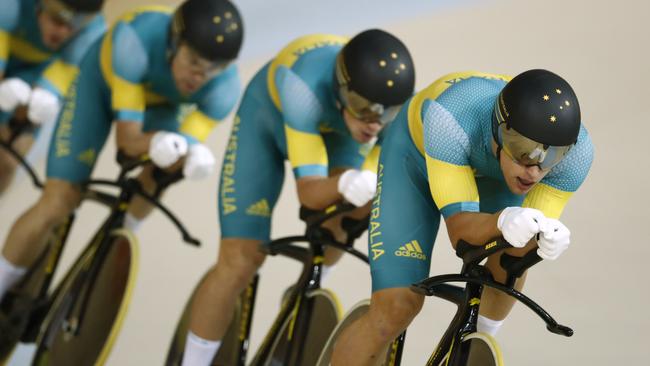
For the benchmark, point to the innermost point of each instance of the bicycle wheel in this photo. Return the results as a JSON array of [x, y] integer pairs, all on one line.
[[230, 351], [476, 349], [325, 315], [90, 342], [356, 312]]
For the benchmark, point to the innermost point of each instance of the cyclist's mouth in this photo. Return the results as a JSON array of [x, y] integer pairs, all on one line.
[[524, 184], [190, 87]]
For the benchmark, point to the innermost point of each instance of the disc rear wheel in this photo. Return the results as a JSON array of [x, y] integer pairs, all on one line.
[[305, 351], [65, 341], [476, 349], [230, 351]]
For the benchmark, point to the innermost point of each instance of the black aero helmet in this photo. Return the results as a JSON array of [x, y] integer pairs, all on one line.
[[76, 13], [84, 6], [374, 71], [213, 28], [536, 118]]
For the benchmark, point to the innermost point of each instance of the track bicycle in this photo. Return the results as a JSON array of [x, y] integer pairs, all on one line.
[[461, 344], [78, 322], [308, 313]]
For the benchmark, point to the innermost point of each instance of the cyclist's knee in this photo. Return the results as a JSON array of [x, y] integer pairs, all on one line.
[[57, 201], [392, 310], [239, 259]]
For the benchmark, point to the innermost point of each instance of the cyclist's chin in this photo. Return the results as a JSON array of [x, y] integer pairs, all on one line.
[[53, 43], [186, 87]]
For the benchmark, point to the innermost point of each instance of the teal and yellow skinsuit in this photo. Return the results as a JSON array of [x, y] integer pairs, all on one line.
[[437, 159], [127, 76], [23, 54], [289, 112]]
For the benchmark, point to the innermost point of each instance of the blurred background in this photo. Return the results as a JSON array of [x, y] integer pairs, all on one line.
[[599, 287]]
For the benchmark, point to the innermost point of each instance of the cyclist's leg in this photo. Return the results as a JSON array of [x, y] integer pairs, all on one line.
[[81, 131], [403, 225], [495, 305], [251, 179]]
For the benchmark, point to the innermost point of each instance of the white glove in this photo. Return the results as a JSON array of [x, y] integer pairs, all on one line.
[[166, 148], [14, 92], [358, 186], [43, 106], [553, 240], [199, 163], [518, 225]]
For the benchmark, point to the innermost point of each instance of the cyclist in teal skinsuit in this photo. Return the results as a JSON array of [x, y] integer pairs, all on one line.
[[495, 157], [164, 79], [320, 103], [42, 43]]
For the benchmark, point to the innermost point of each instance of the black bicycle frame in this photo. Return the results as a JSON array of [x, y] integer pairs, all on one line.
[[468, 299], [298, 308], [79, 292]]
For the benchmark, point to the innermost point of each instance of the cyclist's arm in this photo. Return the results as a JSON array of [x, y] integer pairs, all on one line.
[[58, 76], [129, 64], [302, 112], [130, 138], [8, 21], [220, 99], [451, 178]]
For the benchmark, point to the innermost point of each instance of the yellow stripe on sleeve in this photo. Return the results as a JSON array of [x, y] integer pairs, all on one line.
[[305, 148], [127, 95], [61, 75], [198, 125], [551, 201], [4, 45], [372, 160], [451, 183]]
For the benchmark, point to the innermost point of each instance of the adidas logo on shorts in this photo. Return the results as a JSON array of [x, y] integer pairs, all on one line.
[[411, 250], [259, 208]]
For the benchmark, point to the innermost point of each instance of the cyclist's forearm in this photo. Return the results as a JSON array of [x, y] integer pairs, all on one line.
[[318, 192], [472, 227], [130, 138]]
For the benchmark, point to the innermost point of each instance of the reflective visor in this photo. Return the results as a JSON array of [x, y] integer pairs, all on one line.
[[525, 151], [362, 109], [197, 63], [62, 13]]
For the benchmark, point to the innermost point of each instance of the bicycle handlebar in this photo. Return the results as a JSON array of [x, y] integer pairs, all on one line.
[[135, 188], [513, 265], [313, 235], [314, 218], [428, 287], [17, 128]]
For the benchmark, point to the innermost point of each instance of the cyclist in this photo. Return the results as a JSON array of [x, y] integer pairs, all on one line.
[[517, 144], [320, 103], [141, 78], [42, 43]]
